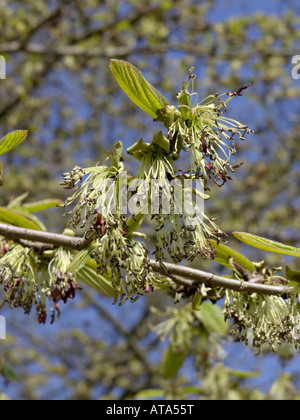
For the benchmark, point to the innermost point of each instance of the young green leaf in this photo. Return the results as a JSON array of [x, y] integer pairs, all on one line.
[[293, 276], [14, 218], [193, 390], [24, 212], [11, 140], [136, 87], [139, 149], [224, 253], [42, 205], [172, 362], [116, 155], [134, 223], [99, 282], [79, 261], [160, 140], [149, 394], [244, 374], [18, 201], [197, 301], [267, 244], [212, 318], [9, 373]]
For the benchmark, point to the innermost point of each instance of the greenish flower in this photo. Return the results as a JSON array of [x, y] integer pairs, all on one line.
[[19, 280], [116, 252], [202, 130], [26, 285], [179, 233], [125, 260], [261, 320], [61, 284], [90, 193]]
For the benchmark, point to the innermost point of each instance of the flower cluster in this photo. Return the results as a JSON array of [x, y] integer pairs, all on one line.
[[183, 241], [89, 193], [183, 232], [18, 279], [25, 287], [125, 259], [202, 130], [115, 250], [261, 320], [62, 283]]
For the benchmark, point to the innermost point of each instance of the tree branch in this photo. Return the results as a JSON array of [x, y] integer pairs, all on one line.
[[190, 277], [16, 233], [182, 275]]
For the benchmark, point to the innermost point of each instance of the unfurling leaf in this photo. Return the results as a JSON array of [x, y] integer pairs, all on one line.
[[99, 282], [11, 140], [212, 318], [149, 394], [172, 362], [293, 276], [267, 244], [224, 253], [116, 155], [42, 205], [136, 87], [14, 218]]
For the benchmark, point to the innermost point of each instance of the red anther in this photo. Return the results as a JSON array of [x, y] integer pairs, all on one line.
[[204, 145], [43, 318]]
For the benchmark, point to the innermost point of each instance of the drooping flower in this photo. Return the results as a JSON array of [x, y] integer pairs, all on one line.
[[97, 207], [202, 130], [62, 283], [27, 286], [92, 185], [18, 279], [259, 320]]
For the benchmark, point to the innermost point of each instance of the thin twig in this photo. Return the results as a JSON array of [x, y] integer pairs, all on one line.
[[188, 277]]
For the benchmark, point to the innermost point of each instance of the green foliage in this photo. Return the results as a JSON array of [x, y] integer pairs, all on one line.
[[171, 363], [42, 205], [12, 217], [213, 318], [293, 276], [137, 88], [12, 140], [224, 253], [102, 283], [267, 244]]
